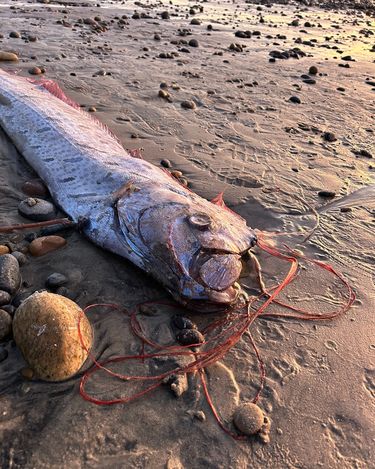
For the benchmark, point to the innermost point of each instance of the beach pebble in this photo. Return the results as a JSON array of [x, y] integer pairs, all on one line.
[[56, 280], [20, 256], [3, 354], [189, 337], [313, 70], [15, 34], [8, 57], [5, 324], [27, 373], [188, 105], [37, 209], [248, 418], [327, 194], [34, 188], [35, 71], [4, 297], [182, 322], [10, 277], [3, 249], [295, 99], [166, 163], [91, 109], [193, 43], [45, 330], [45, 244], [165, 15], [329, 137]]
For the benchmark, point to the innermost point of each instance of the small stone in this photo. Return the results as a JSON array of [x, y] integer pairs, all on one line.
[[190, 337], [20, 256], [188, 104], [3, 354], [4, 298], [309, 81], [56, 280], [45, 330], [182, 322], [177, 174], [10, 277], [45, 244], [3, 249], [91, 109], [35, 71], [164, 94], [248, 418], [365, 153], [27, 373], [166, 163], [295, 99], [37, 209], [195, 22], [165, 15], [8, 57], [327, 194], [193, 43], [329, 137], [313, 70], [34, 188], [9, 309], [15, 34], [5, 324], [157, 37]]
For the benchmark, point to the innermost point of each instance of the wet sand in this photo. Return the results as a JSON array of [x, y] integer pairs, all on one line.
[[268, 154]]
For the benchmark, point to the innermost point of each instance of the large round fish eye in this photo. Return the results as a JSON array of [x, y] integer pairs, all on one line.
[[201, 221]]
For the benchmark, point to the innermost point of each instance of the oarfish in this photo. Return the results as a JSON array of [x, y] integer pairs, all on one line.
[[136, 210]]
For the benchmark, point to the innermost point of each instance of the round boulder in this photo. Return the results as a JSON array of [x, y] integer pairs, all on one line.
[[45, 328], [10, 276]]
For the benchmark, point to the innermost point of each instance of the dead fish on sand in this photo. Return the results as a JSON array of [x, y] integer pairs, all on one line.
[[191, 246]]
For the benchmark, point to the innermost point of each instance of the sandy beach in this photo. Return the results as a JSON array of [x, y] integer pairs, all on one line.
[[270, 134]]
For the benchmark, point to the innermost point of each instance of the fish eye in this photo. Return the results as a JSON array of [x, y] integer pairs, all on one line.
[[202, 221]]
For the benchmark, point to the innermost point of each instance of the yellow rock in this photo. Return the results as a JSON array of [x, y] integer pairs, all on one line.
[[3, 249], [46, 331], [8, 57], [45, 244]]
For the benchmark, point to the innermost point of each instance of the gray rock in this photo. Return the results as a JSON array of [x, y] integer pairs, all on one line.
[[5, 324], [20, 256], [4, 298], [56, 280], [37, 209], [10, 276], [3, 354]]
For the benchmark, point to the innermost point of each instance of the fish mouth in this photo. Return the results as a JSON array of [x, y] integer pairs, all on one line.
[[211, 283]]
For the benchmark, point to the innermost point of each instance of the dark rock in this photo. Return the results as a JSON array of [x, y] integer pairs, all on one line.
[[165, 15], [327, 194], [37, 209], [190, 337], [313, 70], [56, 280], [295, 99], [196, 22], [9, 309], [193, 43], [4, 298], [166, 163], [3, 354], [20, 256], [5, 324], [182, 322], [15, 34], [10, 277], [34, 188], [329, 137], [21, 296]]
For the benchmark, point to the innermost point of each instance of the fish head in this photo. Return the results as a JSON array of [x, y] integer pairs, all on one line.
[[195, 248]]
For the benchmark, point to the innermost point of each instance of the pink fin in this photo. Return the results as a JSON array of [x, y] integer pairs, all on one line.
[[53, 88], [219, 201], [136, 153]]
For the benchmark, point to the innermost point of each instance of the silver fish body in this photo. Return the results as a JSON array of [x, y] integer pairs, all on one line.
[[134, 209]]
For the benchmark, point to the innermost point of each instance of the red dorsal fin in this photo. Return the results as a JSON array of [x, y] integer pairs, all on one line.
[[219, 201], [53, 88]]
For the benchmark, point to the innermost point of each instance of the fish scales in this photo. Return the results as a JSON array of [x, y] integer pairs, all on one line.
[[132, 208]]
